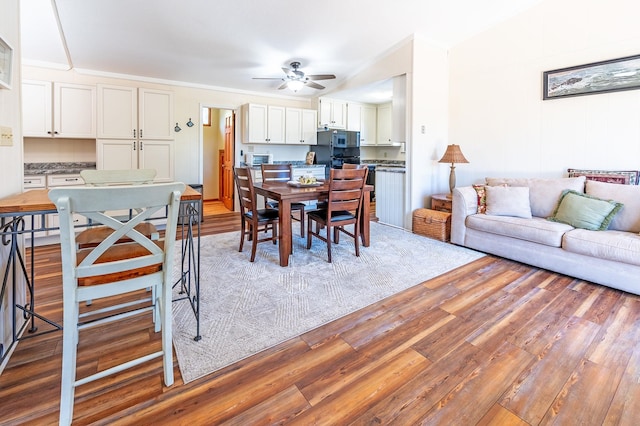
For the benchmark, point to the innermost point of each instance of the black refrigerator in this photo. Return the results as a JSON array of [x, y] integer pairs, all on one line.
[[336, 147]]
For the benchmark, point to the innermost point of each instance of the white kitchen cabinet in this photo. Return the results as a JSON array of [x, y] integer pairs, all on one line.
[[362, 118], [300, 126], [384, 124], [122, 154], [135, 130], [35, 221], [56, 181], [354, 117], [264, 123], [332, 113], [61, 110], [390, 189], [134, 113]]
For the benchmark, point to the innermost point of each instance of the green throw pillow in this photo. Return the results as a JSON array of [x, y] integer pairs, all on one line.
[[584, 211]]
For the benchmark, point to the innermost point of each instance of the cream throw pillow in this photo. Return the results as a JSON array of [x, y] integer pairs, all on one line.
[[508, 201]]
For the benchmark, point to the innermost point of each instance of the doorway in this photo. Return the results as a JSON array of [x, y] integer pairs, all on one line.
[[218, 126]]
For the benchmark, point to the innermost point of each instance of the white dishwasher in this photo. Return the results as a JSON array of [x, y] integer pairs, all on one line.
[[390, 195]]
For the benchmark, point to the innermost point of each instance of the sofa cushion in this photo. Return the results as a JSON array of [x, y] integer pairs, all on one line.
[[628, 219], [508, 201], [585, 211], [544, 194], [536, 230], [617, 246]]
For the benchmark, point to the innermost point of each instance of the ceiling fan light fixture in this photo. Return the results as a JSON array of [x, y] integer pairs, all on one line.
[[295, 85]]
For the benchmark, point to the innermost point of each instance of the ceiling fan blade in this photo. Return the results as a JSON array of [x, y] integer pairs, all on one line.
[[321, 77], [283, 85], [314, 85], [287, 71]]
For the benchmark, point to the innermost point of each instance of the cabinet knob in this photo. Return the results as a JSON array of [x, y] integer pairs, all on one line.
[[134, 145], [140, 132], [140, 145], [134, 133]]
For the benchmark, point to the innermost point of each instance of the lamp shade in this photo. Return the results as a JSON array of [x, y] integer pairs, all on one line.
[[453, 155]]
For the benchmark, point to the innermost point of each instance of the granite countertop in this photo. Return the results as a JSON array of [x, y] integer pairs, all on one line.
[[393, 166], [31, 169]]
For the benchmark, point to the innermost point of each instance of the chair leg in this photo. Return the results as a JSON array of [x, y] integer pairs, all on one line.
[[242, 231], [167, 344], [302, 222], [69, 356], [329, 243], [309, 231], [254, 243]]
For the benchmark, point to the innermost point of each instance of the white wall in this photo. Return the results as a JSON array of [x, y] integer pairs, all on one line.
[[10, 156], [497, 114]]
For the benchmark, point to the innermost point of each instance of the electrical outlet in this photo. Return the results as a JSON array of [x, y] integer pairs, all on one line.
[[6, 136], [423, 129]]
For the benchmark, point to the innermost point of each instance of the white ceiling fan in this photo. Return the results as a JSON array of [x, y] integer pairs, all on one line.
[[296, 79]]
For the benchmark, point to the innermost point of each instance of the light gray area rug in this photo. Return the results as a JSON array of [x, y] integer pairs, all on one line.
[[248, 307]]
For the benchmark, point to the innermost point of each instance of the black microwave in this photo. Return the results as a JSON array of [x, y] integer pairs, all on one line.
[[345, 139]]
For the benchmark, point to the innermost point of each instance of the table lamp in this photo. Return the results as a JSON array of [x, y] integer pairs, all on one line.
[[453, 155]]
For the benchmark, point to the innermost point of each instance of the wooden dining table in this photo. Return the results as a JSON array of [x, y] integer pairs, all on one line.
[[286, 194]]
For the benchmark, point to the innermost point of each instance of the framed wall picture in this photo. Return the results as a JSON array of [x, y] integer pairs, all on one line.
[[6, 62], [598, 77]]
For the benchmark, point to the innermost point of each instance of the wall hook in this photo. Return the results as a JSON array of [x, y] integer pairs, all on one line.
[[177, 128], [190, 123]]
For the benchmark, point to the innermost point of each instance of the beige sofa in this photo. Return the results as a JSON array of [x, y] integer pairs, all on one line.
[[610, 257]]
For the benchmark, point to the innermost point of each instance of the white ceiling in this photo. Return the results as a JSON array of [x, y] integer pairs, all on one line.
[[223, 44]]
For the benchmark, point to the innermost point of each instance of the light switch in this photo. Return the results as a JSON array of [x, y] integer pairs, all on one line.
[[6, 136]]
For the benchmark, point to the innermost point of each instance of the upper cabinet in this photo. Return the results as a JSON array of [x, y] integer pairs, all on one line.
[[333, 113], [300, 126], [134, 113], [61, 110], [362, 118], [264, 123], [135, 130], [384, 124]]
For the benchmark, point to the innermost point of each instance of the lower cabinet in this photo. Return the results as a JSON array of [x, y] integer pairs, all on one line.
[[119, 154], [390, 190]]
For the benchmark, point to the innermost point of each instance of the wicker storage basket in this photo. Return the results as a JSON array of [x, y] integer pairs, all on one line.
[[432, 224]]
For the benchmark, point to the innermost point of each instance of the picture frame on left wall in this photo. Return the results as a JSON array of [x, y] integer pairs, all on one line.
[[6, 62]]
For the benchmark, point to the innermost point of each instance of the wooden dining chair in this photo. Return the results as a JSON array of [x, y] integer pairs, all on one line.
[[253, 220], [112, 268], [344, 207], [283, 173]]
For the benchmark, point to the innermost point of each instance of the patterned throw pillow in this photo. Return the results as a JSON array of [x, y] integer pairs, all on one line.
[[624, 177], [481, 194]]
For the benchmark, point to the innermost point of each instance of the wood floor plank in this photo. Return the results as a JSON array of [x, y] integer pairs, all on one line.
[[364, 392], [499, 416], [278, 409], [410, 402], [470, 400], [579, 401], [527, 398]]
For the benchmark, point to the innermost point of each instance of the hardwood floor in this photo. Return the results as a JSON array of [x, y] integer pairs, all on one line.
[[491, 343]]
